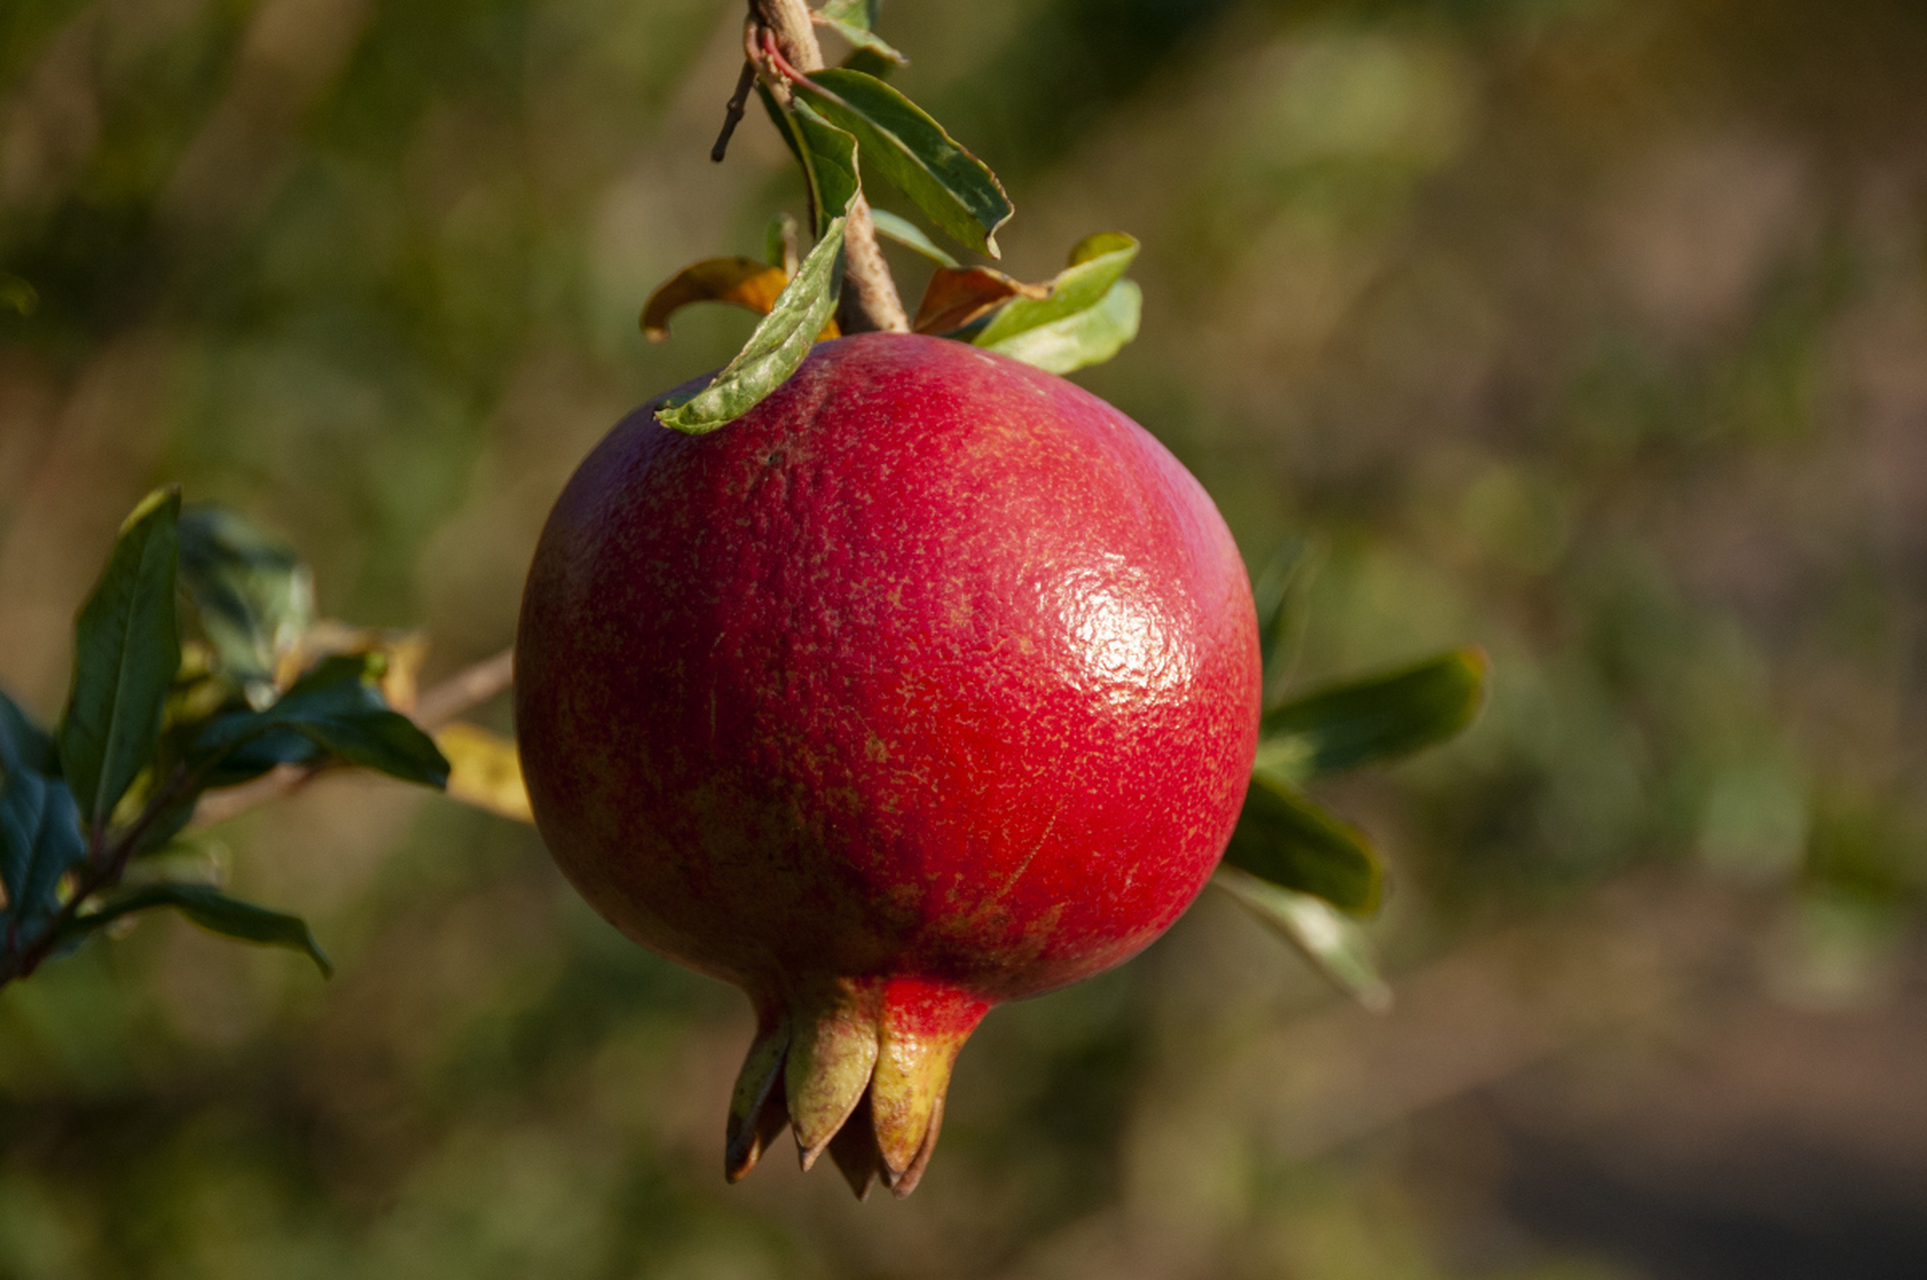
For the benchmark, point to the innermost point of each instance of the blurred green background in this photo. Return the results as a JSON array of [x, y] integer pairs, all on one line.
[[1591, 331]]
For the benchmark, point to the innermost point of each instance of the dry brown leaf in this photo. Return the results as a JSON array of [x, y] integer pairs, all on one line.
[[956, 297], [484, 771]]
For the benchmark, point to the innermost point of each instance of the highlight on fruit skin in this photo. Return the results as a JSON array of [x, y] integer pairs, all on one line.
[[931, 682]]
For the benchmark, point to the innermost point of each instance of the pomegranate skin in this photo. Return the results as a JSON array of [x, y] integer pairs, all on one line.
[[933, 674]]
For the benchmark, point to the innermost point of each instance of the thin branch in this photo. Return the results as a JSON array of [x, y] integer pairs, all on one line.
[[733, 112], [870, 299]]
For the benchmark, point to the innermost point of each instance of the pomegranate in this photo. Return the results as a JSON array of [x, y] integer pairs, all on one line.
[[930, 683]]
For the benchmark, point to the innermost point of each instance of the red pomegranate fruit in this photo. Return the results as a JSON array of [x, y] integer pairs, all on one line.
[[930, 683]]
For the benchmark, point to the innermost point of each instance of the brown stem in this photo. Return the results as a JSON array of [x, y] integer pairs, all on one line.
[[733, 112], [870, 300]]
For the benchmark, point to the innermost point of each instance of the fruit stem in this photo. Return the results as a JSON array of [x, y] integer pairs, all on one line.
[[870, 300]]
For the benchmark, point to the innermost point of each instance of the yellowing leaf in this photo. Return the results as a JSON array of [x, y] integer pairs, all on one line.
[[484, 771], [956, 297], [741, 282]]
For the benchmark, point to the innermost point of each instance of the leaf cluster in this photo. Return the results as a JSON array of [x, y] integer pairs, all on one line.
[[839, 124], [197, 665], [1301, 868]]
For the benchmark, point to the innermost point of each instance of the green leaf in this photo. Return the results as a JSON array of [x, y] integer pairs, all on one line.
[[339, 708], [213, 911], [1279, 594], [1086, 338], [832, 164], [855, 21], [779, 242], [1382, 718], [910, 236], [1097, 264], [1284, 838], [254, 595], [898, 140], [774, 351], [1335, 946], [127, 647], [40, 841]]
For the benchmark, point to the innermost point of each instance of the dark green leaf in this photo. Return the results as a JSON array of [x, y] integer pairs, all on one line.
[[40, 841], [1335, 945], [1086, 338], [1284, 838], [855, 21], [1279, 594], [254, 595], [774, 351], [910, 236], [213, 911], [1382, 718], [897, 140], [872, 63], [339, 708], [127, 648], [832, 164], [24, 744], [1097, 264]]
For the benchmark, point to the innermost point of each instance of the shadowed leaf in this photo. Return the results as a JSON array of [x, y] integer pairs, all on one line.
[[337, 707], [1279, 595], [40, 840], [1284, 838], [910, 236], [127, 648], [898, 140], [832, 152], [1335, 945], [774, 351], [254, 596], [1379, 719], [212, 910]]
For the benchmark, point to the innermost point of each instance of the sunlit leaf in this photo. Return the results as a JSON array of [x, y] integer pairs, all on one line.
[[338, 707], [1284, 838], [855, 21], [740, 282], [212, 910], [1097, 264], [775, 351], [1085, 338], [254, 595], [911, 151], [1335, 946], [910, 236], [127, 648], [1384, 717], [957, 297], [484, 771]]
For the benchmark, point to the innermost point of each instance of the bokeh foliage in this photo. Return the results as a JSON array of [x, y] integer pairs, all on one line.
[[1589, 331]]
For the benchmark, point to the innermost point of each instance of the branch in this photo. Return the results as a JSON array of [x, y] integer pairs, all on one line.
[[870, 300], [467, 688]]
